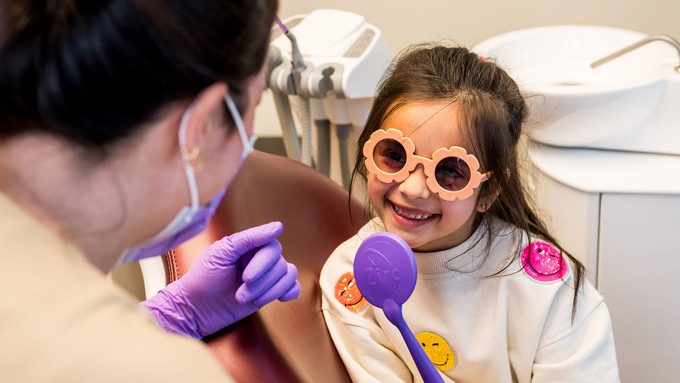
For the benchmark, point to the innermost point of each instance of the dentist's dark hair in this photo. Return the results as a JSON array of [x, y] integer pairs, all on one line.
[[95, 72], [491, 111]]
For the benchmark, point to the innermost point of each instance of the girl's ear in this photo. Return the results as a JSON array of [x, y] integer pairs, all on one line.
[[484, 202], [490, 194]]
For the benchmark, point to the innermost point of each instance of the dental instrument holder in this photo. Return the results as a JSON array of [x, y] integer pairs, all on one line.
[[293, 84], [340, 59], [385, 272]]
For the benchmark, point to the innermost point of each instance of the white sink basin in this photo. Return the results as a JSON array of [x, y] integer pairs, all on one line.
[[571, 103]]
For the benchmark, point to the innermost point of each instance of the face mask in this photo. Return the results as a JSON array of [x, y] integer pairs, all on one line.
[[190, 220]]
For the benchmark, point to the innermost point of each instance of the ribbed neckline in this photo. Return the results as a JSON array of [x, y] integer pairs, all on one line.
[[466, 257]]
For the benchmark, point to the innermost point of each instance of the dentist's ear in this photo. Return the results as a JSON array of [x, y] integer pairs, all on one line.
[[204, 121]]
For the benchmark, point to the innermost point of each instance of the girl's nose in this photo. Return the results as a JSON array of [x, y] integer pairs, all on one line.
[[415, 185]]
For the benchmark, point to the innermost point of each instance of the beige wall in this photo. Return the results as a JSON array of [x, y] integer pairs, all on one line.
[[469, 22]]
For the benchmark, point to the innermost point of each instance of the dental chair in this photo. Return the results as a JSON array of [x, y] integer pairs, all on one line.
[[282, 342]]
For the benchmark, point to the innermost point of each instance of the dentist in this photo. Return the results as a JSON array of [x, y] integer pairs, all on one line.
[[122, 124]]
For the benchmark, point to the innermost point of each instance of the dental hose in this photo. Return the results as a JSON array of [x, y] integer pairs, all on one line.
[[342, 132], [306, 121], [323, 146], [290, 138]]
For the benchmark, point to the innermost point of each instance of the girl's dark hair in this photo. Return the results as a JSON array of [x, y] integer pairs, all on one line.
[[94, 72], [492, 111]]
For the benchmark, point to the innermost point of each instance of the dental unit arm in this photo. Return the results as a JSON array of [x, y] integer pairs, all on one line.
[[327, 63]]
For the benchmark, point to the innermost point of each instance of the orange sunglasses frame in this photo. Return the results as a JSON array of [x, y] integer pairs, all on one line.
[[429, 164]]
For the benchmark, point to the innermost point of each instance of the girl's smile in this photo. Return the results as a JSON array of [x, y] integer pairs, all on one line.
[[409, 214]]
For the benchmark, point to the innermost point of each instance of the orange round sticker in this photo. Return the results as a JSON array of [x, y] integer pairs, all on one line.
[[347, 293]]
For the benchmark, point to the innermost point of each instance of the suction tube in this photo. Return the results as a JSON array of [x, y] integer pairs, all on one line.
[[306, 122], [323, 146], [288, 132], [342, 132]]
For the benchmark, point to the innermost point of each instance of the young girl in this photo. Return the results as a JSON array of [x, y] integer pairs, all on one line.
[[496, 299]]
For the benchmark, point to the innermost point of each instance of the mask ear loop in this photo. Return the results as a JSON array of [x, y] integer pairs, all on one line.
[[247, 143], [189, 156]]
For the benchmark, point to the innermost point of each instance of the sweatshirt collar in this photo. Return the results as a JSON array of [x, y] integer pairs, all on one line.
[[467, 257]]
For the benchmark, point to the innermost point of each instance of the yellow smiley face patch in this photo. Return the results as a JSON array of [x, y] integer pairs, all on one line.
[[436, 348]]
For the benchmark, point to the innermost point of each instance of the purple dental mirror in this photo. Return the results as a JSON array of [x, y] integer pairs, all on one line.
[[385, 272]]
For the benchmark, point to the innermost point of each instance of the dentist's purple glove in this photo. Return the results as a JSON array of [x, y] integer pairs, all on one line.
[[232, 279]]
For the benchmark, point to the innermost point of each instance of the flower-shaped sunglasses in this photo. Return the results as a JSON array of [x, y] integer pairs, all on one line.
[[451, 172]]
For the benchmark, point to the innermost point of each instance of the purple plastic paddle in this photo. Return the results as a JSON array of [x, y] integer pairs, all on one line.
[[385, 272]]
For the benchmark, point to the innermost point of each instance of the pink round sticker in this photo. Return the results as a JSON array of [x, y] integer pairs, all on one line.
[[543, 262]]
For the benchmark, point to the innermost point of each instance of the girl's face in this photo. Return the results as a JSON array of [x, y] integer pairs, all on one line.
[[409, 208]]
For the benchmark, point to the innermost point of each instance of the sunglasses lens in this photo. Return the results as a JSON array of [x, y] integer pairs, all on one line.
[[452, 174], [389, 156]]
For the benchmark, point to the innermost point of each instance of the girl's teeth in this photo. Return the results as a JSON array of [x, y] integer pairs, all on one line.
[[411, 216]]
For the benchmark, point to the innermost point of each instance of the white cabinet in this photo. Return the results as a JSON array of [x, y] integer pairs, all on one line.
[[572, 216], [621, 216]]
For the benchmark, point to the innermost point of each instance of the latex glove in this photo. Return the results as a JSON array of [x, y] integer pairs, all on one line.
[[232, 279]]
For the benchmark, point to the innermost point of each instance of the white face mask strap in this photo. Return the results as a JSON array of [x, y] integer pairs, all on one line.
[[247, 143], [191, 176]]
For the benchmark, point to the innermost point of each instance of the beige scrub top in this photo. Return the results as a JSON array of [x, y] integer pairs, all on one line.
[[61, 320]]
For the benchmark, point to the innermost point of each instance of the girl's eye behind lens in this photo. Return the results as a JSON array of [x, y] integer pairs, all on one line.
[[389, 156], [452, 174]]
